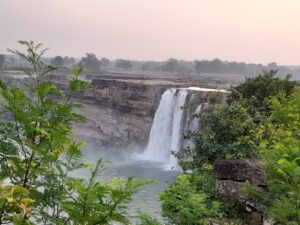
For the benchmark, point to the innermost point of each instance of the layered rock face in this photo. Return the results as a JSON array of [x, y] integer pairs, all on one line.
[[120, 109], [136, 98], [232, 178], [240, 171]]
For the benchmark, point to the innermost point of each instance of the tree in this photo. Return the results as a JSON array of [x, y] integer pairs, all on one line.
[[184, 204], [104, 62], [2, 61], [217, 66], [255, 92], [57, 61], [69, 61], [227, 129], [123, 64], [38, 152], [272, 66], [260, 119], [193, 199], [90, 62], [280, 152], [171, 65], [226, 135]]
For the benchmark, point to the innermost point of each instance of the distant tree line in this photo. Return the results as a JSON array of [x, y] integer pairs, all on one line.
[[215, 66], [2, 60], [93, 64]]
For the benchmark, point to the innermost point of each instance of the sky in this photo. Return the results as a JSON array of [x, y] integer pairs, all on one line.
[[254, 31]]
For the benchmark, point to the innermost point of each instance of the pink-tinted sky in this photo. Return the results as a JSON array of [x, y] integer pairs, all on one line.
[[258, 31]]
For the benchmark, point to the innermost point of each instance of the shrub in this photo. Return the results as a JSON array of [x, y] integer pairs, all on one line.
[[280, 150], [146, 219], [38, 152], [193, 199]]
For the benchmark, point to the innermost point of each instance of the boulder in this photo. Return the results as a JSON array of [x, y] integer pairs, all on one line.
[[232, 178], [240, 171]]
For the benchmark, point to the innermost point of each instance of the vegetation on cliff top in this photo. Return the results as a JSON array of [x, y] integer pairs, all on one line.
[[259, 120]]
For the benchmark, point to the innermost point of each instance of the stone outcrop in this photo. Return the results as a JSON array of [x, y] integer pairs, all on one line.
[[232, 178], [240, 171], [135, 98]]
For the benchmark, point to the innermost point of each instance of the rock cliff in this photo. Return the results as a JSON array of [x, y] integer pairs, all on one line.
[[119, 108]]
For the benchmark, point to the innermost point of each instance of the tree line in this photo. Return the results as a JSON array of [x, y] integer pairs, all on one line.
[[38, 153], [93, 64]]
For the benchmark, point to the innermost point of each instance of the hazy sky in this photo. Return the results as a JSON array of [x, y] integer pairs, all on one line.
[[259, 31]]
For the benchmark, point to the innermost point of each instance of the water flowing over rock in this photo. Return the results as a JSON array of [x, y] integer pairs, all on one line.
[[166, 132], [120, 108]]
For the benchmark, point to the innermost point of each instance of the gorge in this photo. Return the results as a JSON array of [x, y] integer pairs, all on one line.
[[135, 124], [120, 107]]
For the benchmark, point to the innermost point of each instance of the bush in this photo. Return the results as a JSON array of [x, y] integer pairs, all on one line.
[[193, 199], [146, 219], [225, 134], [280, 150], [228, 129], [255, 92], [38, 152]]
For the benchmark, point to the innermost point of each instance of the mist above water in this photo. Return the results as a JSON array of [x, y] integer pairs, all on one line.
[[157, 161], [123, 163]]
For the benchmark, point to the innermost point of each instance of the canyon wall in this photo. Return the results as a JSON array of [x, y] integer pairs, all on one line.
[[119, 108], [120, 112]]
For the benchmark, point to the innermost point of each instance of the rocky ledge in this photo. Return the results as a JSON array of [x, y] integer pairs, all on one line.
[[120, 108], [233, 176]]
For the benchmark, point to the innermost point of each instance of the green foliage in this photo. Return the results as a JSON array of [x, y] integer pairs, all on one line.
[[253, 123], [228, 129], [254, 93], [184, 204], [146, 219], [99, 203], [226, 134], [16, 199], [38, 154], [193, 199], [215, 98], [280, 150]]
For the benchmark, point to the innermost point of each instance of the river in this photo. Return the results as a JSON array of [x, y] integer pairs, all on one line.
[[125, 163]]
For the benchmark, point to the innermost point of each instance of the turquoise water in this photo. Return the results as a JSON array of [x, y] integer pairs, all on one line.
[[125, 163]]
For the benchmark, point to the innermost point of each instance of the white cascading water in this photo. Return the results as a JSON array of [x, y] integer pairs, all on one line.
[[166, 131], [194, 126]]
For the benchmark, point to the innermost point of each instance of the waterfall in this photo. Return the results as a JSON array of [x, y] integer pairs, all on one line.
[[193, 125], [166, 131]]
